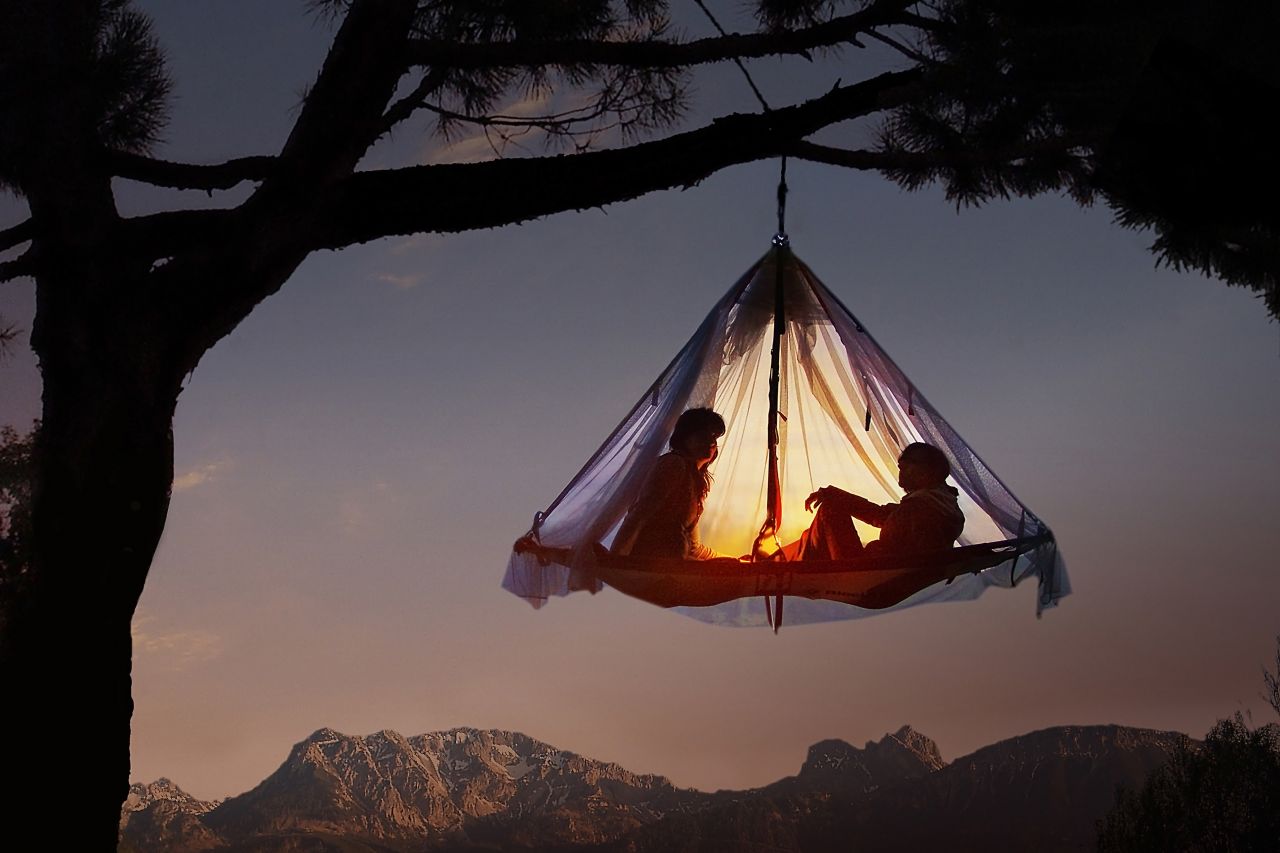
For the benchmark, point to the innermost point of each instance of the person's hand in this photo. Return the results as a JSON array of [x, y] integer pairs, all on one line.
[[829, 495], [818, 498], [529, 544]]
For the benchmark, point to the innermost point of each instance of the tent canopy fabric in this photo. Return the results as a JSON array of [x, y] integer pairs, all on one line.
[[844, 411]]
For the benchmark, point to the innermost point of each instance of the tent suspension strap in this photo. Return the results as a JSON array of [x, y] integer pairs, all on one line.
[[781, 237]]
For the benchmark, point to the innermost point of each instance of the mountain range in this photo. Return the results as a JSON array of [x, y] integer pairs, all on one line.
[[471, 789]]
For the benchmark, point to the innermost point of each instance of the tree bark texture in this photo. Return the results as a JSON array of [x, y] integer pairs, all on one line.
[[104, 458]]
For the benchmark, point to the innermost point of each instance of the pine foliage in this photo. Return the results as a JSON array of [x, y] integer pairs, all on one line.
[[16, 471], [1223, 796], [120, 83], [1161, 109]]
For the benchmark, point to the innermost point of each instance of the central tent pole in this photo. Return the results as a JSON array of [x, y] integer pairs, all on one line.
[[774, 501], [781, 254], [773, 520]]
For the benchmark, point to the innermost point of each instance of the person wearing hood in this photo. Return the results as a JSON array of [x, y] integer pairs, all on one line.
[[928, 518]]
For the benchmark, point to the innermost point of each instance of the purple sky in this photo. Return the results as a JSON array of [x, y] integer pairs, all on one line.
[[355, 460]]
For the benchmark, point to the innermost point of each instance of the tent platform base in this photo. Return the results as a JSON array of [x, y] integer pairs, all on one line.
[[872, 582]]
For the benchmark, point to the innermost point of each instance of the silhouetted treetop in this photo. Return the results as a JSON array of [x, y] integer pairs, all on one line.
[[1158, 108], [1223, 794], [1168, 103], [16, 472], [122, 83]]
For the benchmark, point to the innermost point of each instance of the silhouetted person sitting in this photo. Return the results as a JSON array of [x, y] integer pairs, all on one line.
[[928, 518], [663, 521]]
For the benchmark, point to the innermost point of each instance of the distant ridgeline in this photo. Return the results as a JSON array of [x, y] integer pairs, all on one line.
[[471, 789]]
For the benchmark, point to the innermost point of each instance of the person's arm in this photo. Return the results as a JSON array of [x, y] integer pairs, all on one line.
[[851, 504], [915, 525], [659, 489], [872, 513], [703, 552]]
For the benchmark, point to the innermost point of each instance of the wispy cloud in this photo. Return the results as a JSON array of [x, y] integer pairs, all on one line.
[[175, 650], [470, 149], [533, 105], [198, 476], [400, 282]]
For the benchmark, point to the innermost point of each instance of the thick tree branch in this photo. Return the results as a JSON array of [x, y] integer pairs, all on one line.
[[655, 53], [243, 257], [146, 239], [158, 236], [859, 159], [410, 103], [370, 205], [17, 268], [208, 290], [872, 160], [17, 235], [343, 113], [188, 176]]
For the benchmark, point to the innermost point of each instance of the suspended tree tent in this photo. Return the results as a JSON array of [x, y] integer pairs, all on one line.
[[809, 398]]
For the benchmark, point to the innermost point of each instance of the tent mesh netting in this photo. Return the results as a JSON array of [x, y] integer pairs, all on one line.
[[844, 413]]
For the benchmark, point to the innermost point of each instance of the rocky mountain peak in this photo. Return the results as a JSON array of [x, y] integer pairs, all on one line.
[[323, 735], [490, 789], [921, 746], [838, 766], [162, 816], [164, 790]]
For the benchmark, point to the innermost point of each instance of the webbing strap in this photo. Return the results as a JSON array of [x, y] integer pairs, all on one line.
[[782, 202]]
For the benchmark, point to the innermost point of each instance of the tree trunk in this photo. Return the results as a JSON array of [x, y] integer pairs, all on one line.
[[104, 461]]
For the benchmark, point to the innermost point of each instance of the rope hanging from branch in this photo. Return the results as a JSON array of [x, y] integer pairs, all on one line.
[[781, 238]]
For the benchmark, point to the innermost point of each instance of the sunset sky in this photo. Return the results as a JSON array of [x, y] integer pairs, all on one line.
[[355, 460]]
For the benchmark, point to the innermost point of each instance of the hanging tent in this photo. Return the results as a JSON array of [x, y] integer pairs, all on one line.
[[809, 398]]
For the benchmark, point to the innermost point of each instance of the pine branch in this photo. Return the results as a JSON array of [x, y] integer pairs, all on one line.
[[156, 237], [189, 176], [849, 159], [18, 267], [898, 159], [17, 235], [410, 103], [570, 123], [343, 113], [654, 53], [369, 205]]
